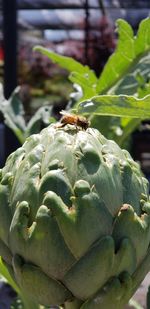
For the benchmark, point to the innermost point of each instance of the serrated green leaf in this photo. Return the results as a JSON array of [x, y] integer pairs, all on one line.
[[129, 51], [130, 83], [65, 62], [142, 40], [119, 106], [80, 74]]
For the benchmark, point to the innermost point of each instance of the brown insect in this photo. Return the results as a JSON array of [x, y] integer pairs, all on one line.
[[78, 121]]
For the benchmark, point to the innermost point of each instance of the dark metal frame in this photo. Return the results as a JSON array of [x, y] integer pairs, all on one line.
[[9, 8], [10, 45]]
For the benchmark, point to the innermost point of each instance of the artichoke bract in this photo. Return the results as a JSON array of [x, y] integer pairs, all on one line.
[[74, 219]]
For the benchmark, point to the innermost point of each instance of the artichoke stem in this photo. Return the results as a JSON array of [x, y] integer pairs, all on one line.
[[75, 304]]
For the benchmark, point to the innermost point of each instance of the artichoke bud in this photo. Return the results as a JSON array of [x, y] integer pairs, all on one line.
[[74, 218]]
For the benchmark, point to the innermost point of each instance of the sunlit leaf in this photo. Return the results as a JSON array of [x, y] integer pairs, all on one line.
[[67, 63], [129, 51], [120, 106]]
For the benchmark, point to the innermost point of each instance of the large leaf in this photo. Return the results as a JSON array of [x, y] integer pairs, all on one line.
[[80, 74], [129, 51], [131, 82], [120, 106], [119, 72], [65, 62]]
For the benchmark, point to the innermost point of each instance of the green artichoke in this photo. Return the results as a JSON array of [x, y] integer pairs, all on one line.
[[74, 219]]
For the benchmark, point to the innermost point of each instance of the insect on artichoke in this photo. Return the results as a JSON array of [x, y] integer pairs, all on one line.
[[74, 219]]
